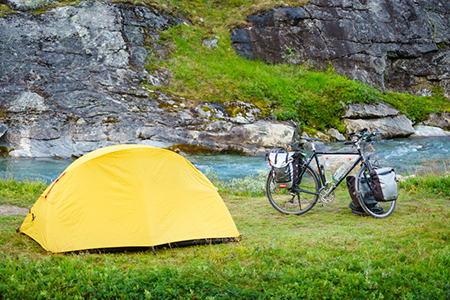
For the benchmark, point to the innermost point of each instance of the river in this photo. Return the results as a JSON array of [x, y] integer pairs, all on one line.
[[407, 156]]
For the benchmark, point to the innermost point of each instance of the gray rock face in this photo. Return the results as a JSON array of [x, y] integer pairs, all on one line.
[[398, 45], [365, 111], [3, 129], [379, 116], [390, 127], [70, 83], [441, 120]]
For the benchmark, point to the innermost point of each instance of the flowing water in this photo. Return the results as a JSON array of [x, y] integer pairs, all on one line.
[[407, 156]]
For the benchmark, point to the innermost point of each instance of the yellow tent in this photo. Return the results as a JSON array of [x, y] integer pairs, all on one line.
[[128, 196]]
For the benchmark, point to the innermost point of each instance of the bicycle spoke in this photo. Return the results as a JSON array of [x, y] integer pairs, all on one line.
[[299, 199]]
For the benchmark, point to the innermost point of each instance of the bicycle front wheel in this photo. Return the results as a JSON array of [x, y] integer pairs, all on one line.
[[366, 200], [296, 200]]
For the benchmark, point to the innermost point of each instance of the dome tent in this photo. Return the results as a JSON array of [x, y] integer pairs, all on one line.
[[128, 196]]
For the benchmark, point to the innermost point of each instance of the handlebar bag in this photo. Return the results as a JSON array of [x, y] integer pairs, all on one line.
[[284, 166], [384, 184]]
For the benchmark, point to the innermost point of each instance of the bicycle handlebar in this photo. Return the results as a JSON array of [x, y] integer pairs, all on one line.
[[363, 136]]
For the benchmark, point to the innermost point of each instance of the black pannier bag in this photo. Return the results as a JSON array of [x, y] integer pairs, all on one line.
[[384, 184], [284, 166], [364, 190]]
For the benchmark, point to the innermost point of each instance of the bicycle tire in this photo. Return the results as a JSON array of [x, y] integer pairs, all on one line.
[[388, 207], [290, 201]]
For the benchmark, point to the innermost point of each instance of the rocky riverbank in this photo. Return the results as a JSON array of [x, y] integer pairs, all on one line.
[[70, 82]]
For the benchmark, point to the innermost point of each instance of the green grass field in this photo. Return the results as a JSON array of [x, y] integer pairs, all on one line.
[[327, 253]]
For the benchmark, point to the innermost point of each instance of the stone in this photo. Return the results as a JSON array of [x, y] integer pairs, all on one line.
[[210, 43], [270, 134], [441, 120], [336, 135], [429, 131], [366, 111], [390, 127]]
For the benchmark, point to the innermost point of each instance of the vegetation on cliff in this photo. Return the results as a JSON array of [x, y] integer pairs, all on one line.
[[312, 98], [214, 72]]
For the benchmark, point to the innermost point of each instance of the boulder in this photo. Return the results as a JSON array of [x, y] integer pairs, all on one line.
[[366, 111], [335, 135], [441, 120], [251, 139], [390, 127], [429, 131]]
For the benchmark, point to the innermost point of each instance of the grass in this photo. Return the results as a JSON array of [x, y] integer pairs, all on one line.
[[287, 91], [327, 253], [21, 193]]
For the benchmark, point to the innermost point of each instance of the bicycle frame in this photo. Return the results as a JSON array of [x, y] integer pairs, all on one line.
[[315, 156]]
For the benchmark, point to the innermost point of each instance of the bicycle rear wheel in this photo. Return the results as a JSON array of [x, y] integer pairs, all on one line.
[[297, 200], [382, 209]]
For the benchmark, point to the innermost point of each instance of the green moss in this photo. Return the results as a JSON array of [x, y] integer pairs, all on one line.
[[199, 150], [4, 10], [4, 151], [54, 5], [190, 149]]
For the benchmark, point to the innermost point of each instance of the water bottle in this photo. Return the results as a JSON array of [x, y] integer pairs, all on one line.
[[341, 170], [327, 171]]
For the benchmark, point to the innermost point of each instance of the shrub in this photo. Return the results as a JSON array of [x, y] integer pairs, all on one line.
[[249, 186], [432, 183]]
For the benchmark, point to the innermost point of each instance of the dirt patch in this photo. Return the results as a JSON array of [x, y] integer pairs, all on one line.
[[8, 210]]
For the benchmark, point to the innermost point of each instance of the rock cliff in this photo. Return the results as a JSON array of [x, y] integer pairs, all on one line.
[[70, 77], [392, 45], [70, 83]]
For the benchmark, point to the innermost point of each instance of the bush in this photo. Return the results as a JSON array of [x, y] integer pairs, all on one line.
[[432, 183], [249, 186]]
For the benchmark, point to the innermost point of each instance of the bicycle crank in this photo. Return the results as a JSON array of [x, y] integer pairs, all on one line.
[[326, 195]]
